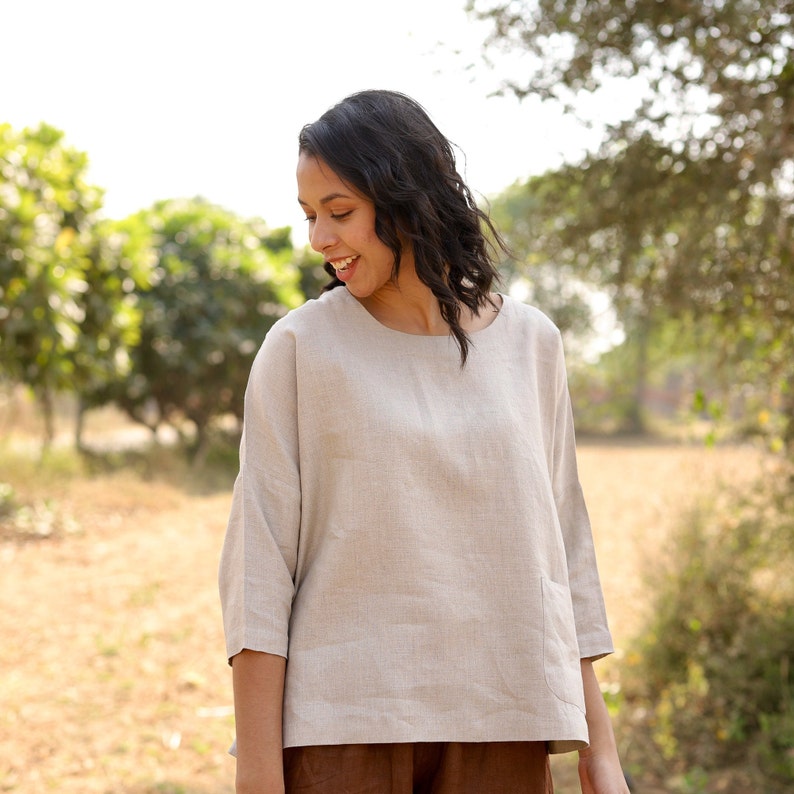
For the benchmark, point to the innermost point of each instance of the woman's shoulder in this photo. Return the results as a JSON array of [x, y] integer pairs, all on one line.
[[302, 328], [314, 314], [529, 318]]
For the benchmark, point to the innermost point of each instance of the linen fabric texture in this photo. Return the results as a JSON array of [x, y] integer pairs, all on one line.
[[411, 534]]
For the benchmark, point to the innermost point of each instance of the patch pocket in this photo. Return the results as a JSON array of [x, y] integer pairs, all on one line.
[[560, 647]]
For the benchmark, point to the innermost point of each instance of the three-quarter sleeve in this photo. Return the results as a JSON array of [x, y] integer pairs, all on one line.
[[586, 595], [258, 559]]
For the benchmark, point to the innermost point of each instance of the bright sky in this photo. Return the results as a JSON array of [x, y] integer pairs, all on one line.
[[190, 97]]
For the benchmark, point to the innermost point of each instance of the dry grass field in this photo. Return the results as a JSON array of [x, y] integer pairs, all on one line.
[[112, 669]]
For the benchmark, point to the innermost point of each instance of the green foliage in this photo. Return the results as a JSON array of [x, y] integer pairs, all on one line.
[[7, 501], [47, 211], [713, 666], [685, 389], [688, 206], [215, 285], [110, 312], [312, 275], [161, 313], [555, 286]]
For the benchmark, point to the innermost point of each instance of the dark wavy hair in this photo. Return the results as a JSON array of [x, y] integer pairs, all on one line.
[[384, 145]]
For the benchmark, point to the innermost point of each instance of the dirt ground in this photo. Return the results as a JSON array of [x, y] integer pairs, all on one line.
[[112, 669]]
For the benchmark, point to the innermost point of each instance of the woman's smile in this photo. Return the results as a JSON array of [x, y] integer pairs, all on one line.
[[343, 266]]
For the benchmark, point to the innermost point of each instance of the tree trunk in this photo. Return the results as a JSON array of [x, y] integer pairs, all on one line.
[[787, 409], [635, 415], [79, 425], [48, 414]]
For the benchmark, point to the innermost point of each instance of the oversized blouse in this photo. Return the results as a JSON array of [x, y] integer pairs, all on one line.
[[411, 534]]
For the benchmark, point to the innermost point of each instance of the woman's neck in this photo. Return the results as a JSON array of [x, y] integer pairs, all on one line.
[[408, 306]]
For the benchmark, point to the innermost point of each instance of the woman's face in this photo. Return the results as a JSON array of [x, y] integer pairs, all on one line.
[[342, 228]]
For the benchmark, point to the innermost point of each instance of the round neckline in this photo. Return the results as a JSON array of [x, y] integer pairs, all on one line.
[[407, 335]]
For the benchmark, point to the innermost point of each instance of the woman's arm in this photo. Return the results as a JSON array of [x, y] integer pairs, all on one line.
[[258, 681], [599, 765]]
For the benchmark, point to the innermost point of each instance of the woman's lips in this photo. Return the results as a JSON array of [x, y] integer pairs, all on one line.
[[343, 264], [344, 267]]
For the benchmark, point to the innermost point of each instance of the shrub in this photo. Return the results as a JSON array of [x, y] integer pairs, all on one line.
[[712, 675]]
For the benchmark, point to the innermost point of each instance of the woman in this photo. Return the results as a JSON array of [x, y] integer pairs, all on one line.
[[407, 525]]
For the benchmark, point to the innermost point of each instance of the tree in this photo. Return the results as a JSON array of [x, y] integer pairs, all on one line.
[[576, 245], [47, 213], [687, 205], [555, 287], [312, 274], [217, 284], [121, 269]]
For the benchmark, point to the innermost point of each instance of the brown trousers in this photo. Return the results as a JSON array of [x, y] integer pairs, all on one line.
[[422, 768]]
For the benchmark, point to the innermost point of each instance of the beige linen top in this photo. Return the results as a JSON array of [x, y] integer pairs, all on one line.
[[412, 534]]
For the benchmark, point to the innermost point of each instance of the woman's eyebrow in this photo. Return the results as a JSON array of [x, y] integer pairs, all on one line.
[[325, 199]]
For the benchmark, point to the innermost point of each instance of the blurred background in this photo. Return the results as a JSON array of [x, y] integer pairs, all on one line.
[[638, 158]]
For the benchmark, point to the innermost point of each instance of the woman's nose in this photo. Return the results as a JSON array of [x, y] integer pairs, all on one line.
[[321, 237]]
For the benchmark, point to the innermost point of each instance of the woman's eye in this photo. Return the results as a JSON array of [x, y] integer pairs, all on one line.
[[338, 216], [310, 219]]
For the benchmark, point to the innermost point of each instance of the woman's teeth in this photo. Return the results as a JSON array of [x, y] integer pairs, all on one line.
[[343, 264]]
